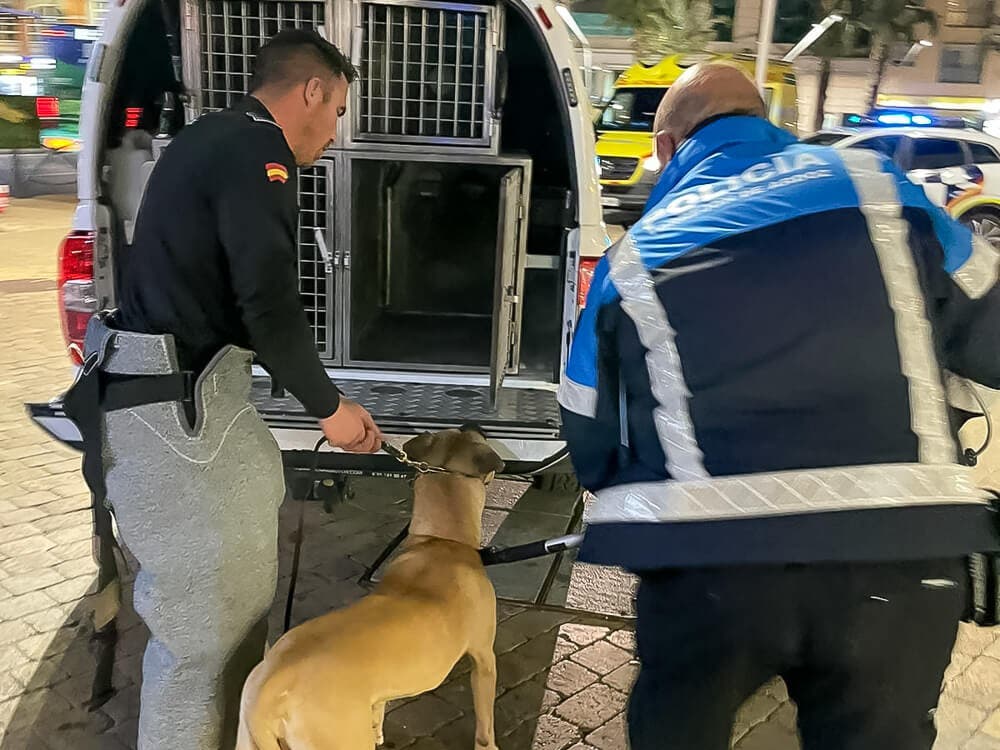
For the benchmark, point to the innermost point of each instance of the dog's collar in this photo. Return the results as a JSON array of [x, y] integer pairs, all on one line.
[[422, 467]]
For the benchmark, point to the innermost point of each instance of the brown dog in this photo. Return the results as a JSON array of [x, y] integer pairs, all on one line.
[[325, 683]]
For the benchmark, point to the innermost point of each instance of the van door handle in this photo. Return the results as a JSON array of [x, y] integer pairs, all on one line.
[[323, 250]]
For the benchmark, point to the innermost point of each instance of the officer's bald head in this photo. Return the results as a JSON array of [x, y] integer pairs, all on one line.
[[702, 92]]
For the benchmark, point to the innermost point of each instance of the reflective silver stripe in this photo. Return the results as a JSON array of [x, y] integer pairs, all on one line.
[[889, 233], [577, 398], [666, 379], [784, 493], [979, 273]]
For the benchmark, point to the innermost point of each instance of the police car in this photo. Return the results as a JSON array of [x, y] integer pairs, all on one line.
[[958, 167]]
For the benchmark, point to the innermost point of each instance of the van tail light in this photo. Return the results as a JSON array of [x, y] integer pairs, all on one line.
[[584, 276], [47, 108], [77, 297]]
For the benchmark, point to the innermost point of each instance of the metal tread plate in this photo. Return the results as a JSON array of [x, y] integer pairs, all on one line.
[[430, 404]]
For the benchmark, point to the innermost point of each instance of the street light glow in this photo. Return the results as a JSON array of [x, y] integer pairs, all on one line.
[[817, 30]]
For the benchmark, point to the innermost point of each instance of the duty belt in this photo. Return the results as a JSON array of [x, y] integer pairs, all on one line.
[[93, 394]]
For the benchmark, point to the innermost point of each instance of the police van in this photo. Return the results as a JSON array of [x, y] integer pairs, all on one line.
[[440, 240]]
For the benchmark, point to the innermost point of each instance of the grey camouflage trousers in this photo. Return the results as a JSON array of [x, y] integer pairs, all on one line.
[[198, 508]]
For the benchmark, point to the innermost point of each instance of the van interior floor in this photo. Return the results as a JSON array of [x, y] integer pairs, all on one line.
[[416, 338]]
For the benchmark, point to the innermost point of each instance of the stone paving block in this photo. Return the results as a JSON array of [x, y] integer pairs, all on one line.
[[72, 590], [973, 640], [992, 725], [756, 709], [623, 638], [456, 690], [27, 545], [64, 537], [959, 663], [787, 716], [583, 635], [993, 650], [563, 648], [602, 657], [612, 736], [14, 631], [428, 743], [28, 582], [19, 531], [507, 639], [423, 717], [62, 520], [532, 622], [51, 644], [70, 569], [57, 616], [29, 563], [955, 721], [525, 661], [769, 735], [982, 742], [979, 684], [550, 700], [592, 707], [10, 687], [552, 733], [15, 607], [11, 657], [30, 709], [595, 588], [568, 678], [519, 704], [624, 677], [73, 551]]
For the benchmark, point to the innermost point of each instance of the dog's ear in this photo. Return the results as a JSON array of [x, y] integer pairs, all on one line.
[[486, 460], [419, 447]]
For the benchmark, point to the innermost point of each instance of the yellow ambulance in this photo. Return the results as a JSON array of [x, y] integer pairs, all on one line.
[[625, 126]]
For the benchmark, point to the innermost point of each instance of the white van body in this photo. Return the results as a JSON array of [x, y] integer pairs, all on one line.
[[479, 126]]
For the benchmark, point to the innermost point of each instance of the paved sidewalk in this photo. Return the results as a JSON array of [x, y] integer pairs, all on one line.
[[563, 678]]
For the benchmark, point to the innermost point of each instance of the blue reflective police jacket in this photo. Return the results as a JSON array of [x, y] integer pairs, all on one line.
[[757, 374]]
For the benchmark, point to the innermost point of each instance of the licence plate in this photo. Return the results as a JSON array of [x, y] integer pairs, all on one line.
[[610, 201]]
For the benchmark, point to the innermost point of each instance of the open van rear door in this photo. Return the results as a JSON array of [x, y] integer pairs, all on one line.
[[506, 291]]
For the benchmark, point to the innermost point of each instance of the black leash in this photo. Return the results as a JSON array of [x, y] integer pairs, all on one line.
[[490, 556], [300, 528]]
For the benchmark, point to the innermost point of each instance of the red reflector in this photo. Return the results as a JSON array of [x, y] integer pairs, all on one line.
[[77, 301], [76, 258], [47, 107], [583, 278], [132, 116], [543, 16]]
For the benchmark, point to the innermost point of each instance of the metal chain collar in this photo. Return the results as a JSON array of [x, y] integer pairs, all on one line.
[[422, 467]]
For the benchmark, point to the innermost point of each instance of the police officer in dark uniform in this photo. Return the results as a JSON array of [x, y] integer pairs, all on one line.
[[195, 487]]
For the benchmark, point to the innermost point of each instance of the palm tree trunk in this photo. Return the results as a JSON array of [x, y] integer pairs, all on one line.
[[822, 86], [881, 60]]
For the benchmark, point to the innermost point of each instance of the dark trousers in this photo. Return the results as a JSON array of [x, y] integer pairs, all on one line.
[[862, 648]]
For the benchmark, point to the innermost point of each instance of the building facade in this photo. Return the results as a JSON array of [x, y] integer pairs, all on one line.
[[959, 73]]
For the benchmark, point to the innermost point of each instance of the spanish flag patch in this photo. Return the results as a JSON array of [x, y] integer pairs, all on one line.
[[276, 172]]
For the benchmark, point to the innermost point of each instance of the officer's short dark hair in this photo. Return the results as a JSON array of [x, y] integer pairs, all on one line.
[[294, 56]]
